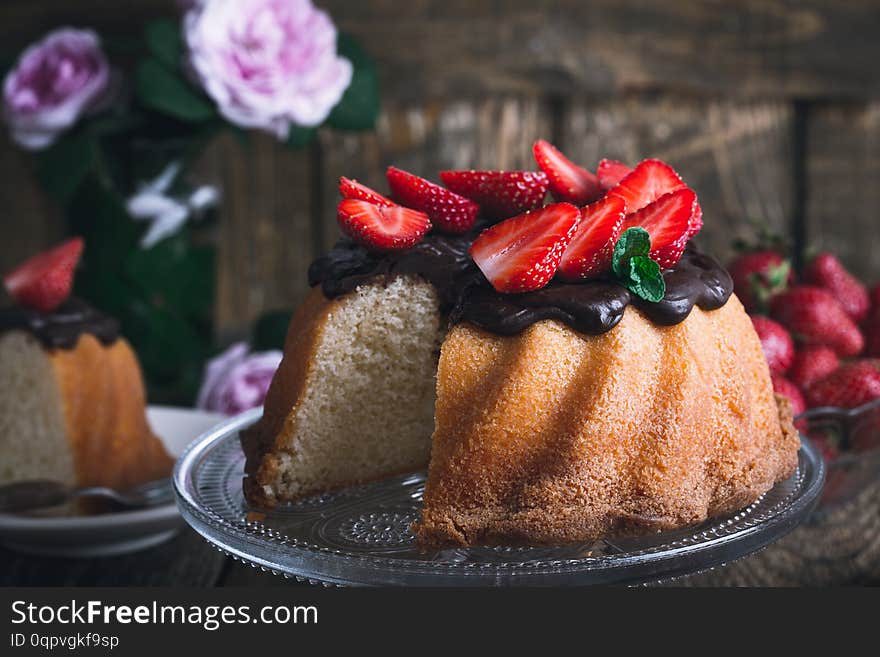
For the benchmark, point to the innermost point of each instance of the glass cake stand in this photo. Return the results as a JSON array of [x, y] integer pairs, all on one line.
[[361, 535]]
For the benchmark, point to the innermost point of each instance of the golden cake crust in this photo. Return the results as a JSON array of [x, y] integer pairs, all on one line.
[[103, 396], [553, 436]]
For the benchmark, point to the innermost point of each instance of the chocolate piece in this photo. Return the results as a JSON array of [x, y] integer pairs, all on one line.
[[61, 328], [591, 307]]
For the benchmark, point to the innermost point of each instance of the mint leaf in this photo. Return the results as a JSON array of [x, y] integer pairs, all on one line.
[[646, 280], [633, 242], [633, 267]]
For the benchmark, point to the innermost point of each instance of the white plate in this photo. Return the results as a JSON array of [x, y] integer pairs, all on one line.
[[112, 533]]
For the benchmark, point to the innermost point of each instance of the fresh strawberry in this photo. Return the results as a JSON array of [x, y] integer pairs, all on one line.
[[784, 387], [500, 194], [811, 363], [381, 228], [568, 181], [696, 224], [650, 180], [43, 281], [850, 385], [611, 172], [813, 316], [826, 271], [758, 276], [353, 189], [589, 253], [523, 253], [776, 342], [667, 221], [448, 211]]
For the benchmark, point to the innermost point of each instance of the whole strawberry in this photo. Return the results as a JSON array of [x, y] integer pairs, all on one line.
[[758, 276], [776, 342], [813, 316], [43, 282], [784, 387], [811, 363], [849, 386], [826, 271]]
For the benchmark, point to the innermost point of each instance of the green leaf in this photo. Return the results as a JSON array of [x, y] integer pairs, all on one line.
[[62, 168], [646, 279], [168, 93], [164, 42], [271, 330], [359, 107], [633, 267], [633, 242], [300, 136]]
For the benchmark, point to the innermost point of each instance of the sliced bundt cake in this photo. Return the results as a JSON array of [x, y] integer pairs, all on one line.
[[627, 393]]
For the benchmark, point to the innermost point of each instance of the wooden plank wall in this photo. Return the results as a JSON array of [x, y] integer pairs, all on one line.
[[770, 109]]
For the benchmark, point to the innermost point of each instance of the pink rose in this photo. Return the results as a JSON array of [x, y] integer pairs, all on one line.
[[235, 381], [267, 63], [54, 83]]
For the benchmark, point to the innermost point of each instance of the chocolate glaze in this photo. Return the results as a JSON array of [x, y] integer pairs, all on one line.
[[61, 328], [591, 307], [442, 260]]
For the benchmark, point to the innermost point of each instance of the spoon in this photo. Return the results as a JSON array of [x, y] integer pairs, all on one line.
[[41, 493]]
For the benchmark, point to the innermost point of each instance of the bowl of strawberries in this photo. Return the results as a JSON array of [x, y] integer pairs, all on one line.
[[820, 332]]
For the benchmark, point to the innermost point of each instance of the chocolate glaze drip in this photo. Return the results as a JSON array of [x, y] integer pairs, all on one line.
[[61, 328], [442, 260], [592, 307]]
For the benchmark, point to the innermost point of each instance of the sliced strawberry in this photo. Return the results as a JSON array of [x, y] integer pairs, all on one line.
[[43, 282], [448, 211], [568, 181], [381, 227], [611, 172], [650, 180], [590, 250], [500, 194], [668, 221], [353, 189], [522, 253], [696, 222]]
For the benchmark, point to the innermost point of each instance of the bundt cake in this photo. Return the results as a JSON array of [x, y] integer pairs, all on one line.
[[72, 407], [628, 395]]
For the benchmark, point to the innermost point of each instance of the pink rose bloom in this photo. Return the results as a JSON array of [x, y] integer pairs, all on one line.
[[236, 381], [267, 63], [54, 83]]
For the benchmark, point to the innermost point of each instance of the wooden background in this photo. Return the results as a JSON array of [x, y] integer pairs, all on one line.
[[769, 109]]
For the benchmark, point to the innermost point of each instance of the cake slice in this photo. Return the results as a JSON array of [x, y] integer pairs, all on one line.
[[353, 398], [72, 402]]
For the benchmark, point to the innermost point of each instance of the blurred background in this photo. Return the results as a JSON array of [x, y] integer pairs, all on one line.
[[769, 109]]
